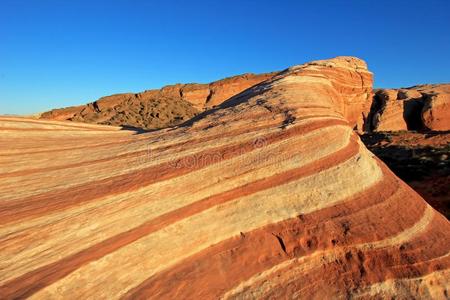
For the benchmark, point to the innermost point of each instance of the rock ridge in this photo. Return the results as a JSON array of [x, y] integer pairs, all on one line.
[[153, 109], [269, 195]]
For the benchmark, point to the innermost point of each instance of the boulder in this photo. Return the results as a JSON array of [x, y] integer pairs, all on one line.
[[421, 107], [390, 115], [436, 112]]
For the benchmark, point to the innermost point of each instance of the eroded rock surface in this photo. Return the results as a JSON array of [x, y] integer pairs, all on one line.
[[422, 107], [436, 110], [269, 195], [153, 109]]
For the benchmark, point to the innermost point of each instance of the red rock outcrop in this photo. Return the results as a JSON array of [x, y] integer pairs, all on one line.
[[436, 110], [269, 195], [169, 106], [62, 113], [422, 107], [390, 114]]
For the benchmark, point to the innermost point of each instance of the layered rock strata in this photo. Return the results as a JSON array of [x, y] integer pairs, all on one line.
[[269, 195], [153, 109]]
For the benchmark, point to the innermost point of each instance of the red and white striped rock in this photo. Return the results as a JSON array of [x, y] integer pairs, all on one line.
[[271, 195]]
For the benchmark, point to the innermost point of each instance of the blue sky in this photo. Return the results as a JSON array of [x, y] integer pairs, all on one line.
[[62, 53]]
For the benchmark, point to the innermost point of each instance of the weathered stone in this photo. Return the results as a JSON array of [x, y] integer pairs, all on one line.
[[271, 195]]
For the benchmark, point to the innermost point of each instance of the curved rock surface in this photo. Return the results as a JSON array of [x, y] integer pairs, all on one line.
[[153, 109], [269, 195]]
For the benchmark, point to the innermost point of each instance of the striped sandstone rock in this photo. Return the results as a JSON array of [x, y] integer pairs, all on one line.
[[269, 195]]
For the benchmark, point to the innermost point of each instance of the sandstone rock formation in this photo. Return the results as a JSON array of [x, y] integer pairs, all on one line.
[[422, 107], [269, 195], [153, 109], [436, 110], [389, 116]]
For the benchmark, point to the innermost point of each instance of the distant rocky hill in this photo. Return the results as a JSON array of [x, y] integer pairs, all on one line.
[[153, 109]]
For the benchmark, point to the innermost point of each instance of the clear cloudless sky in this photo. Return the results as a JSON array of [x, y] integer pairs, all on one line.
[[56, 53]]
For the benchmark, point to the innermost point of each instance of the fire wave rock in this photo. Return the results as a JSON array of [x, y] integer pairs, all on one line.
[[270, 195]]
